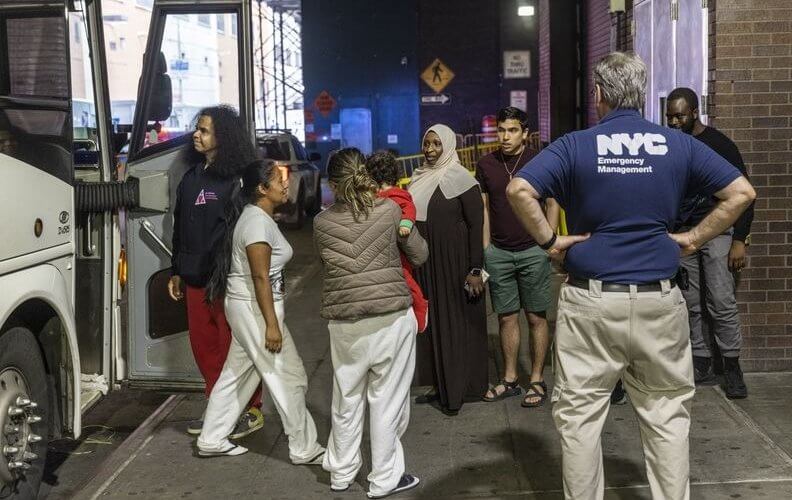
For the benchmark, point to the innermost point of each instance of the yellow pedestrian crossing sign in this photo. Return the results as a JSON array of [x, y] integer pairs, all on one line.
[[437, 75]]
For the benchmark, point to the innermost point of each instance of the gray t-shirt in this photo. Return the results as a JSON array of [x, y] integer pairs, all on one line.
[[256, 226]]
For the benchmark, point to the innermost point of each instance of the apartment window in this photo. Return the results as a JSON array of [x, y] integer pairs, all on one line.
[[221, 23], [145, 3], [233, 26], [205, 20]]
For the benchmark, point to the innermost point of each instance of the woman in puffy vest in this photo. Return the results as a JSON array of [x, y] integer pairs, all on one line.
[[372, 325]]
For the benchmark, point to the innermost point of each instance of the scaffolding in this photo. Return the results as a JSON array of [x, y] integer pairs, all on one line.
[[278, 62]]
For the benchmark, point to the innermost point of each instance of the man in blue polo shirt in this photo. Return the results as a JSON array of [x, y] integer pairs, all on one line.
[[621, 313]]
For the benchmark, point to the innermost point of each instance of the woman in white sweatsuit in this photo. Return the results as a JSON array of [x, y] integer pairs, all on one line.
[[372, 326], [248, 272]]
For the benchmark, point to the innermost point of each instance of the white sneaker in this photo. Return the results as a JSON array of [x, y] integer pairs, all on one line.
[[338, 488], [233, 451], [316, 460], [195, 427]]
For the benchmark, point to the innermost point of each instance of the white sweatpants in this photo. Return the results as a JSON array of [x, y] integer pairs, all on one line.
[[374, 365], [248, 362]]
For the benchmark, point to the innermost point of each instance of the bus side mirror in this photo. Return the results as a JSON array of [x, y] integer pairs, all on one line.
[[161, 101]]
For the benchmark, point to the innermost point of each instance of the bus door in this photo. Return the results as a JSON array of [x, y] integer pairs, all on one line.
[[198, 54]]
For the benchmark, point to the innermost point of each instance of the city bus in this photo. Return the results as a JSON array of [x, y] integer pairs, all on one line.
[[84, 240]]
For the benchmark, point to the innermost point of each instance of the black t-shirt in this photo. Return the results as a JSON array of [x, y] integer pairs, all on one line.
[[695, 208], [506, 231]]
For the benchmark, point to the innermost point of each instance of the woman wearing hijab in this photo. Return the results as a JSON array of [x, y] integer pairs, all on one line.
[[450, 215]]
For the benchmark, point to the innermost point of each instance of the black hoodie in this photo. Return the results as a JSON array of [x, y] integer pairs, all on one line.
[[199, 222]]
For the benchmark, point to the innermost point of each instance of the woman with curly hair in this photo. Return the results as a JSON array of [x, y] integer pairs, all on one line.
[[220, 150]]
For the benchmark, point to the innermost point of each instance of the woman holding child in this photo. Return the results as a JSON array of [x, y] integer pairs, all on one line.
[[372, 325]]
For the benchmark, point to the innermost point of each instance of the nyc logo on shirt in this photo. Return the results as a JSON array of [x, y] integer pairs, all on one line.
[[653, 144], [612, 145], [205, 196]]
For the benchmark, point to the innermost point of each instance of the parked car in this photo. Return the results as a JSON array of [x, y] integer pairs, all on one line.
[[305, 187]]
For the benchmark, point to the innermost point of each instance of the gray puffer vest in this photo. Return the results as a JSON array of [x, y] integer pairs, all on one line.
[[362, 270]]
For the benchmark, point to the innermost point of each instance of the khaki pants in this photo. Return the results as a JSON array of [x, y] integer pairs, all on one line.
[[644, 339]]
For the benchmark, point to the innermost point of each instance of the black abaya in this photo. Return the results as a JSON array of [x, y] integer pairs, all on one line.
[[452, 353]]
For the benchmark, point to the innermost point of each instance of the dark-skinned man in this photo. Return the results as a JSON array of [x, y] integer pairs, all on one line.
[[712, 284]]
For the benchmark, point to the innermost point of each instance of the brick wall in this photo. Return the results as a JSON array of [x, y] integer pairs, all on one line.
[[752, 96], [622, 38], [597, 42], [544, 70]]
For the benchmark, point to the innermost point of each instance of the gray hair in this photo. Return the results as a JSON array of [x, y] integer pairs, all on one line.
[[622, 80]]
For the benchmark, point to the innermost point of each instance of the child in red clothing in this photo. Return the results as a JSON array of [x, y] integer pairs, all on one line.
[[383, 169]]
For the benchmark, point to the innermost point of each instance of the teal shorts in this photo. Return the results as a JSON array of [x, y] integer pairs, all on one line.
[[518, 280]]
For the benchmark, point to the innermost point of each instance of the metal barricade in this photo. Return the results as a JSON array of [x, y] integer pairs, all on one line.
[[407, 165]]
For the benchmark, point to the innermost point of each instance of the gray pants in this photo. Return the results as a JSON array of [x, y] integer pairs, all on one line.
[[712, 282]]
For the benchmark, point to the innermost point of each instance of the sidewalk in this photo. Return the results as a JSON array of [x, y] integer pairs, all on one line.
[[491, 450]]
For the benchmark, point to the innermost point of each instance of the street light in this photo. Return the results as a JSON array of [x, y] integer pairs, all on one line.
[[525, 10]]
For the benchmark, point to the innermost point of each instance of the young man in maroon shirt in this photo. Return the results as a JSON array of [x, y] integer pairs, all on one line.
[[519, 270]]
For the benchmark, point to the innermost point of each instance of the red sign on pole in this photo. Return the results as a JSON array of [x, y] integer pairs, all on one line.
[[324, 103]]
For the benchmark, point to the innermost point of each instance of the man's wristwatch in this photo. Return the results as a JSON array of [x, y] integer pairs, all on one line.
[[747, 241], [476, 271]]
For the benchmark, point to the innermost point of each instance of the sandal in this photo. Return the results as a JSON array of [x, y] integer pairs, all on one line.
[[509, 389], [531, 392]]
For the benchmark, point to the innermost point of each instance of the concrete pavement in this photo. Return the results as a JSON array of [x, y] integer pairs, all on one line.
[[491, 450]]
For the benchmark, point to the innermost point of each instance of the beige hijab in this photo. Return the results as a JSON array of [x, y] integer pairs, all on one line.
[[447, 173]]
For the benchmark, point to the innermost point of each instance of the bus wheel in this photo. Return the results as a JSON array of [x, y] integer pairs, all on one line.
[[24, 415]]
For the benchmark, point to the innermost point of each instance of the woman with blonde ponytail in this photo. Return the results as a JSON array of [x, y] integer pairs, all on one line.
[[372, 325]]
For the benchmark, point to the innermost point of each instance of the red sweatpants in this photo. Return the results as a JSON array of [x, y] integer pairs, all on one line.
[[210, 338]]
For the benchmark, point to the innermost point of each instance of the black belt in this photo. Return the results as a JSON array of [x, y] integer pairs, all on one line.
[[618, 287]]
